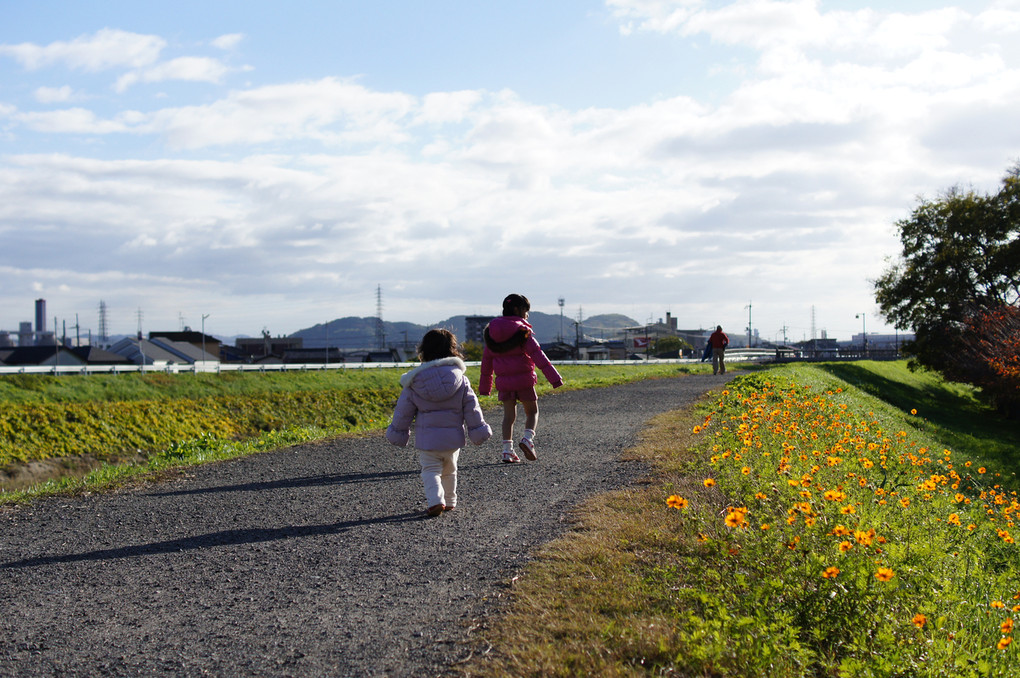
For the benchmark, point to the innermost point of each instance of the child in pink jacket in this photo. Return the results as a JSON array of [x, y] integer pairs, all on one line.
[[437, 397], [512, 353]]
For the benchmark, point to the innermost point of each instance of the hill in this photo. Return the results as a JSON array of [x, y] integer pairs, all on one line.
[[354, 332]]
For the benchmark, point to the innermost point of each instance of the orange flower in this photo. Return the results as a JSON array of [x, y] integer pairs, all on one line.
[[919, 620], [997, 605], [676, 501], [1007, 627], [1004, 643], [709, 482], [735, 519], [845, 546], [830, 573], [884, 574]]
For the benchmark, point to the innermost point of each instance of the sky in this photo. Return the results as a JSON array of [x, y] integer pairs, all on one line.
[[250, 166]]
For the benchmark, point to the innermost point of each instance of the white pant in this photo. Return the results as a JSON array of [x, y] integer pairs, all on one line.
[[439, 476]]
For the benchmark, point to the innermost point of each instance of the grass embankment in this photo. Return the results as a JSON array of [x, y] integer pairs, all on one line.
[[795, 526], [133, 425]]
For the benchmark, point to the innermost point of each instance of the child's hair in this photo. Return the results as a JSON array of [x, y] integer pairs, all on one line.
[[437, 344], [516, 304]]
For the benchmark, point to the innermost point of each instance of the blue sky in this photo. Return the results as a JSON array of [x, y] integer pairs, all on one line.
[[269, 166]]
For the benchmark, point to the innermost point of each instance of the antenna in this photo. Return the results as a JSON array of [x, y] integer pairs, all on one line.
[[813, 334], [380, 331], [139, 314]]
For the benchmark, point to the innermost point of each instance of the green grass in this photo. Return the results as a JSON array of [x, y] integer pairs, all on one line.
[[950, 412], [836, 536], [133, 425]]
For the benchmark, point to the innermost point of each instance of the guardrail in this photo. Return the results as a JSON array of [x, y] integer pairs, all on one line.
[[216, 368]]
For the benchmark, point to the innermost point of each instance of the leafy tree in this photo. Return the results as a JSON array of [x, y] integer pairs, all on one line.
[[960, 262], [472, 350], [669, 344]]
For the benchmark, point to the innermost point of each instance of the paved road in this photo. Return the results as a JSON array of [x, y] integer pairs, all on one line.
[[311, 561]]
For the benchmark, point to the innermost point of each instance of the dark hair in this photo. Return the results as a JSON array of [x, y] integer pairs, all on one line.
[[437, 344], [516, 304]]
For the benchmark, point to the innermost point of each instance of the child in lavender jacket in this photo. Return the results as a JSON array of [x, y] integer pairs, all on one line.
[[437, 397]]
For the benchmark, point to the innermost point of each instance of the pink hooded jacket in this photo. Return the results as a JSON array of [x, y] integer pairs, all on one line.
[[437, 396], [512, 353]]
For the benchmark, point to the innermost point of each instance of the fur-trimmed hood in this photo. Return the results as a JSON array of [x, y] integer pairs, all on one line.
[[435, 380]]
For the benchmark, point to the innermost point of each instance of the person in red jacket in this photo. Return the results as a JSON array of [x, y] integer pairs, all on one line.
[[512, 353], [718, 341]]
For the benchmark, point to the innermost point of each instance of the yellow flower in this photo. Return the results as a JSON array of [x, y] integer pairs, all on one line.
[[745, 471], [761, 496], [847, 510], [709, 482], [997, 604], [676, 501], [884, 574], [905, 502], [830, 573], [919, 620], [953, 519], [1004, 643], [958, 498], [913, 411]]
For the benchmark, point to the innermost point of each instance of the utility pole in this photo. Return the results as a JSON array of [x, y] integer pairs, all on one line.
[[864, 331], [204, 316]]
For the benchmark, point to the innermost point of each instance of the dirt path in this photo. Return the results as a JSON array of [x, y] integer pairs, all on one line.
[[312, 561]]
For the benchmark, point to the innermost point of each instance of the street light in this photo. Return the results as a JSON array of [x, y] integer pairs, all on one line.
[[864, 331], [203, 336]]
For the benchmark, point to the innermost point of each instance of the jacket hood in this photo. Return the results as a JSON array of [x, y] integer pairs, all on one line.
[[506, 326], [435, 380]]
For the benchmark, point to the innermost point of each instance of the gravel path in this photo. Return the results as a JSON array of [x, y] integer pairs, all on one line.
[[314, 561]]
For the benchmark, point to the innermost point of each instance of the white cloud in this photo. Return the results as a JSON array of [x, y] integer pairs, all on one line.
[[105, 49], [190, 69], [53, 95], [228, 41]]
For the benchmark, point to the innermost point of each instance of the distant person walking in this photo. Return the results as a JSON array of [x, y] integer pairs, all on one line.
[[511, 353], [437, 396], [718, 341]]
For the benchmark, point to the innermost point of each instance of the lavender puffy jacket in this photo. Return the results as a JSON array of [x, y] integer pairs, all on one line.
[[438, 398], [512, 353]]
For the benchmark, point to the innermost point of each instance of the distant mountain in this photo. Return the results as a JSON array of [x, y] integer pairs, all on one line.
[[354, 333]]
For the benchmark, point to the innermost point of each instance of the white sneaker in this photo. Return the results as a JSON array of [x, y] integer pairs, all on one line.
[[528, 447], [510, 457]]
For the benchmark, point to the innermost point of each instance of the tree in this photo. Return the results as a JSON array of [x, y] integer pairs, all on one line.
[[669, 345], [960, 262]]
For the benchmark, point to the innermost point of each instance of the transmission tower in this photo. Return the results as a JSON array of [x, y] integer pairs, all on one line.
[[380, 332], [813, 335], [104, 327]]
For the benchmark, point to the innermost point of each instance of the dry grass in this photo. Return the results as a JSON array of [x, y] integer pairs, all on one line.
[[582, 607]]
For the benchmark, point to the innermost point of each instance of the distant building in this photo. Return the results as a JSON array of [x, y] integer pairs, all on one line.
[[254, 349], [39, 355], [474, 328]]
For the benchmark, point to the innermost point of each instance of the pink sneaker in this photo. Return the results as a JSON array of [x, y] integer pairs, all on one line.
[[510, 457], [528, 447]]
